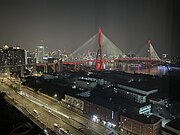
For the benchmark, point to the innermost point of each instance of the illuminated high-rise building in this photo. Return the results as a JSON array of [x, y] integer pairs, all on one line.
[[11, 55], [39, 53], [30, 57], [12, 60]]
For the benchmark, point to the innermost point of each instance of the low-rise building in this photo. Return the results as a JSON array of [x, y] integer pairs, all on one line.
[[134, 94], [101, 110], [49, 76], [140, 124], [161, 106], [86, 83], [105, 104], [75, 102], [172, 127], [106, 107]]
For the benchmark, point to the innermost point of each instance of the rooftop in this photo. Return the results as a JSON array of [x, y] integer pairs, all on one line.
[[138, 81], [107, 98], [86, 80], [168, 131], [152, 119], [136, 90], [174, 124]]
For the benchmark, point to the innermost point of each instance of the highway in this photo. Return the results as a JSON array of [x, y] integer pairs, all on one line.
[[50, 111], [42, 115]]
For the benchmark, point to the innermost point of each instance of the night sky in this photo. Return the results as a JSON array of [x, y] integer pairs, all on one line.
[[67, 24]]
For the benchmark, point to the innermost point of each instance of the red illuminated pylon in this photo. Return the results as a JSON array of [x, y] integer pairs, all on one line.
[[99, 65]]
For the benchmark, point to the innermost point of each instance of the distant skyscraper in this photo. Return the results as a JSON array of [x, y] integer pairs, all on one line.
[[30, 57], [39, 53]]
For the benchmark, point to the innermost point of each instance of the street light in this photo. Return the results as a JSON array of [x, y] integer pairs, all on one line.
[[55, 95]]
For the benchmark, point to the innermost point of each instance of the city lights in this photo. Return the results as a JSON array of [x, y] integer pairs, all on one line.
[[106, 67]]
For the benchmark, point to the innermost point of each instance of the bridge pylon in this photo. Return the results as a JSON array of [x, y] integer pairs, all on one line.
[[149, 53], [99, 64]]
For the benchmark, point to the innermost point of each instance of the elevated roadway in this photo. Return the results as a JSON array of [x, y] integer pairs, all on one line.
[[51, 111], [42, 117]]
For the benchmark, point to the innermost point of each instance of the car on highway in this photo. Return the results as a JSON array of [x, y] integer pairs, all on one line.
[[80, 129], [55, 125], [67, 132], [62, 129], [35, 111]]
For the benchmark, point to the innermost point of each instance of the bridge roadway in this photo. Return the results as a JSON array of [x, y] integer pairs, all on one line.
[[50, 111], [126, 59]]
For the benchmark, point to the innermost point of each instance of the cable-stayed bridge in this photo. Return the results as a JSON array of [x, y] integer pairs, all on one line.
[[99, 50], [88, 51]]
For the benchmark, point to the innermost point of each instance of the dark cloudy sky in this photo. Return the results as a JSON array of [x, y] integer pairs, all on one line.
[[67, 24]]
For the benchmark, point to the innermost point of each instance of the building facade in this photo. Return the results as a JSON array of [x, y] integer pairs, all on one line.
[[12, 60], [140, 125], [83, 84], [39, 53], [29, 57], [102, 113], [88, 83], [11, 56], [134, 94], [75, 102], [95, 111]]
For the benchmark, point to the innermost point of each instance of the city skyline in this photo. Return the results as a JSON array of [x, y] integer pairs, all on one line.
[[67, 25], [89, 67]]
